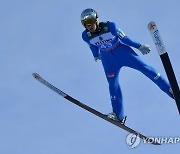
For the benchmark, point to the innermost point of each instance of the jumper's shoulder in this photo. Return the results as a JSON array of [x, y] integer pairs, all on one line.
[[111, 23], [108, 23], [112, 27], [84, 36]]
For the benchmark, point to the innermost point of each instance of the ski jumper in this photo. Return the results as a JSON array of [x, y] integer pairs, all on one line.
[[114, 47]]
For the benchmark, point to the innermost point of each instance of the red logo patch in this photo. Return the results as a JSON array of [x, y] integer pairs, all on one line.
[[110, 75]]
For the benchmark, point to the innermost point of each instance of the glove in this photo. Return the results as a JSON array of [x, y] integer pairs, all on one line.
[[97, 58], [145, 49]]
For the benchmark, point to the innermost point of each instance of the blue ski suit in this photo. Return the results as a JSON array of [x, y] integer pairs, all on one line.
[[114, 48]]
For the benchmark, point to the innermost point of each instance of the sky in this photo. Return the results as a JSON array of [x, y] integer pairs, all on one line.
[[44, 36]]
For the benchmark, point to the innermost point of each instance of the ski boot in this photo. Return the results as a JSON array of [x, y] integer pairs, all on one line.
[[114, 117]]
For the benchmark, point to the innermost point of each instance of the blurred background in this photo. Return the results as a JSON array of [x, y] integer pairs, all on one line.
[[45, 37]]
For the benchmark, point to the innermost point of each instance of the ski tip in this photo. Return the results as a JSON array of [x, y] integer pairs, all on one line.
[[151, 25], [36, 75]]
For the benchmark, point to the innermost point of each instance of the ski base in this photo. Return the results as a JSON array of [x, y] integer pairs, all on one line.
[[91, 110]]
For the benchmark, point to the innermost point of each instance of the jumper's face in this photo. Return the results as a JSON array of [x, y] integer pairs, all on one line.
[[91, 26]]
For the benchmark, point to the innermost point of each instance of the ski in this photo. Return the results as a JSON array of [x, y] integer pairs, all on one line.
[[166, 62], [91, 110]]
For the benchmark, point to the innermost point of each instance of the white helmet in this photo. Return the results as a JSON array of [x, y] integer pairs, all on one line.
[[89, 15]]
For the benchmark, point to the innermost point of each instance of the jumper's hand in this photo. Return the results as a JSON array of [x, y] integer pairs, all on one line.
[[145, 49]]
